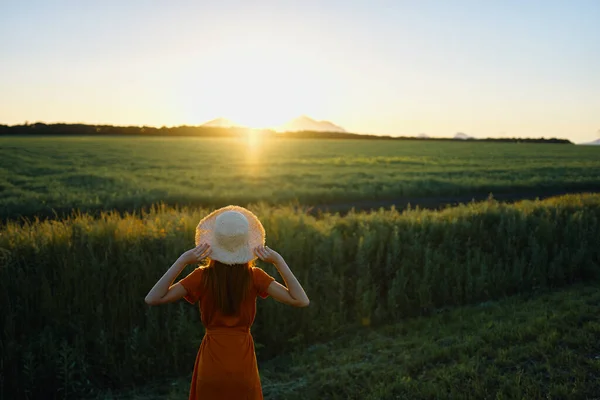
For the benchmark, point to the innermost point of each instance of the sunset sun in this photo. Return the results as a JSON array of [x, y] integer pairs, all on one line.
[[257, 94], [253, 86]]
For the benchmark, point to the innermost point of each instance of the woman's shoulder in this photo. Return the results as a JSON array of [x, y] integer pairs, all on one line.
[[262, 280], [194, 277], [199, 270], [257, 271]]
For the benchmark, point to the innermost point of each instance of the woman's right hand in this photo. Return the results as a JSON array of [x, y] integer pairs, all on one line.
[[197, 254]]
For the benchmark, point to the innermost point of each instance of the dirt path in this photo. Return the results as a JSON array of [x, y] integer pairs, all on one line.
[[440, 202]]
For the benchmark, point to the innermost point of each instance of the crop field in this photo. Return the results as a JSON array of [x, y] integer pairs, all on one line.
[[74, 323], [47, 175], [381, 284]]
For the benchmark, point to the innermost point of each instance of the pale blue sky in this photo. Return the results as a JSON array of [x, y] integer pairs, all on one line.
[[486, 68]]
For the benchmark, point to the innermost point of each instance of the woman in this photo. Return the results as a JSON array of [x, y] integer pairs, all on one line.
[[226, 289]]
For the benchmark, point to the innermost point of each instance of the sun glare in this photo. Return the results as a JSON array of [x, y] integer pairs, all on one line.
[[254, 87], [253, 139], [254, 147]]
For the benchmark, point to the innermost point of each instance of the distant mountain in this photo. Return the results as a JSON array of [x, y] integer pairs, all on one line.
[[221, 123], [462, 136], [305, 123], [422, 136], [594, 143]]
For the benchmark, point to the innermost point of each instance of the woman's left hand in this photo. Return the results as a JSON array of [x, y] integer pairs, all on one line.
[[197, 254], [267, 254]]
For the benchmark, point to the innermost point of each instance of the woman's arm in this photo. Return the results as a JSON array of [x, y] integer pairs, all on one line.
[[163, 292], [293, 294]]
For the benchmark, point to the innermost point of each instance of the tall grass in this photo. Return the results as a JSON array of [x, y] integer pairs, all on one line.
[[71, 291]]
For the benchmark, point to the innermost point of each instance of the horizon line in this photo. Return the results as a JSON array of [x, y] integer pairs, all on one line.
[[418, 136]]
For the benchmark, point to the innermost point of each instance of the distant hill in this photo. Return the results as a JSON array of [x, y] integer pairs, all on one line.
[[307, 124], [422, 136], [594, 143], [221, 123], [463, 136]]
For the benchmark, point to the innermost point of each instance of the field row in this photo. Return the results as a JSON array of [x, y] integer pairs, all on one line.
[[47, 175]]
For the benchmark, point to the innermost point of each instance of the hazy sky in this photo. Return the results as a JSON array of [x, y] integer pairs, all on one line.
[[483, 67]]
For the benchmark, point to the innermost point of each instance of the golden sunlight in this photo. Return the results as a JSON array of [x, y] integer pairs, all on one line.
[[253, 143], [252, 87], [253, 140]]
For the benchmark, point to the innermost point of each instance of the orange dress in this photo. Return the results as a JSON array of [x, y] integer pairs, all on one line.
[[226, 365]]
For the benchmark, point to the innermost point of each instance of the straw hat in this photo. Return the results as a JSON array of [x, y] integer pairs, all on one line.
[[232, 233]]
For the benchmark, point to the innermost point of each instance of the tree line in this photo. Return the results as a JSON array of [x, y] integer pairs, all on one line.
[[62, 129]]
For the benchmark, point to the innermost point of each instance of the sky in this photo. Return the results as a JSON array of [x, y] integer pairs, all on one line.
[[493, 68]]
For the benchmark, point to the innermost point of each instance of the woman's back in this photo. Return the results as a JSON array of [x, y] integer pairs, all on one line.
[[226, 367], [212, 317]]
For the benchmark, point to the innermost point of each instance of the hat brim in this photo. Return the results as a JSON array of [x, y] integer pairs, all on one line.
[[256, 237]]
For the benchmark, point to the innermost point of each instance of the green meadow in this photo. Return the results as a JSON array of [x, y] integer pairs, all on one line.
[[484, 300], [541, 345], [74, 323], [45, 176]]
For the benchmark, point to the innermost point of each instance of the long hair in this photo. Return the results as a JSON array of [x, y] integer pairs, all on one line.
[[228, 284]]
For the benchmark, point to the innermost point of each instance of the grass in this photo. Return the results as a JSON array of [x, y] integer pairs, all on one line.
[[540, 345], [44, 175], [71, 291]]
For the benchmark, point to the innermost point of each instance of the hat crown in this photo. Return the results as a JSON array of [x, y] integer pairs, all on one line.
[[232, 233], [231, 230]]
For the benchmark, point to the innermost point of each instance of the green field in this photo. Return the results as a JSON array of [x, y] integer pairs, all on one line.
[[525, 347], [381, 284], [74, 323], [44, 175]]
